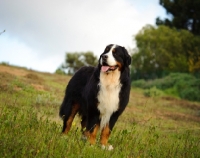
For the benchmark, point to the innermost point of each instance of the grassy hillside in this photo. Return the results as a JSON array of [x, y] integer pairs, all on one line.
[[30, 127]]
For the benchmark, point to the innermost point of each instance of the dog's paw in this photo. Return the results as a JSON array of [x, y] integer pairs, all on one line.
[[108, 147], [83, 137]]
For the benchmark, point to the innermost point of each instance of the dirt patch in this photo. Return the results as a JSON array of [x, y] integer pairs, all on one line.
[[131, 109], [38, 87], [183, 103], [13, 70], [8, 73], [182, 117], [33, 78], [5, 79], [169, 98], [35, 81], [188, 104]]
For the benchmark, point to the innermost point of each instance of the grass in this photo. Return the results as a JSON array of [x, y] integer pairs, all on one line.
[[153, 126]]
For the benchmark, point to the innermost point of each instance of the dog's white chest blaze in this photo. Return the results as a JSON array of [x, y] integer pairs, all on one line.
[[108, 95]]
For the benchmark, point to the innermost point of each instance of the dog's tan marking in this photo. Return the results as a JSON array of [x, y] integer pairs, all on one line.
[[105, 135], [74, 111], [92, 135], [119, 66]]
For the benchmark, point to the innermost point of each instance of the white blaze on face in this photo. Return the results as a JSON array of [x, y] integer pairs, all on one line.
[[110, 60]]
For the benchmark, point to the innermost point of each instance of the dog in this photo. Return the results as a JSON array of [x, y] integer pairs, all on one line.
[[98, 94]]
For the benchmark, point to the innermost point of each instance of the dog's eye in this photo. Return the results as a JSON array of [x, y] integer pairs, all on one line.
[[113, 50], [107, 49]]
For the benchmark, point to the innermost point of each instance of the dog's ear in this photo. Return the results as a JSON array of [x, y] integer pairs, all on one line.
[[127, 59]]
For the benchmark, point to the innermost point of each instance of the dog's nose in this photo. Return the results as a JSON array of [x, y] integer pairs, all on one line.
[[104, 57]]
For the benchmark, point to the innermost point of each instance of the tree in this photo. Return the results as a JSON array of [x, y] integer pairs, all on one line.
[[163, 50], [60, 71], [74, 61], [184, 14]]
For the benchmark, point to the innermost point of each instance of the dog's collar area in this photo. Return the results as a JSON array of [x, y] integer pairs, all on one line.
[[106, 68]]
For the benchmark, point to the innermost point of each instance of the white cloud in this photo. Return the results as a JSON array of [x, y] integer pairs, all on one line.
[[45, 30]]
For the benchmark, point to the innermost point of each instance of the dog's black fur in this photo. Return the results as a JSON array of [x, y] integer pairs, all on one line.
[[82, 91]]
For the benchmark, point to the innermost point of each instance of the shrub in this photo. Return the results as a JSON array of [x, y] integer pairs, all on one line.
[[192, 94], [189, 90], [172, 79], [184, 85], [153, 92], [164, 83], [60, 71], [160, 83], [139, 83]]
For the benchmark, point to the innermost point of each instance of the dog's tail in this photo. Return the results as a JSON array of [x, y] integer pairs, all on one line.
[[65, 107]]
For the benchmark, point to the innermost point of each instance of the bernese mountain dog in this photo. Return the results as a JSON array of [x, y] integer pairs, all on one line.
[[98, 94]]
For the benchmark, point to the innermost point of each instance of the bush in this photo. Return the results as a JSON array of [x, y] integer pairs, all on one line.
[[192, 94], [164, 83], [189, 90], [184, 85], [60, 71], [138, 83], [153, 92]]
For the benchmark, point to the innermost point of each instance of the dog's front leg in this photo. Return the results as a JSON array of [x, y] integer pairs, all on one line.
[[91, 134], [105, 133]]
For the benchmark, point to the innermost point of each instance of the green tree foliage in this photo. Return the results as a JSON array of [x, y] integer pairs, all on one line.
[[60, 71], [74, 61], [163, 50], [184, 14]]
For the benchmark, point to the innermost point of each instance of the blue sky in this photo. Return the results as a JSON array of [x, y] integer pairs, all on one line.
[[39, 33]]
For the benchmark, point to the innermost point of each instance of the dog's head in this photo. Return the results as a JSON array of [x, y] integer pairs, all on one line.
[[114, 57]]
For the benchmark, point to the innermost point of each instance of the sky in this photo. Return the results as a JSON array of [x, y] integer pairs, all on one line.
[[39, 33]]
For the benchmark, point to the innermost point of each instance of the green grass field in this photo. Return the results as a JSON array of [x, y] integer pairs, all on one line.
[[159, 126]]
